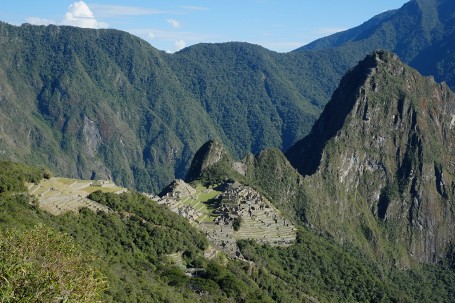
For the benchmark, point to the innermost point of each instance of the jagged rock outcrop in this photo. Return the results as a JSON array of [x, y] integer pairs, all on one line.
[[229, 212], [380, 162]]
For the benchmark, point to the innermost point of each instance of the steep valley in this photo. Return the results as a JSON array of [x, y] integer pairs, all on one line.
[[360, 210], [227, 172], [94, 104]]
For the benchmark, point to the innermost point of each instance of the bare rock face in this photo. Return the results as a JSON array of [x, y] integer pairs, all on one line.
[[92, 137], [380, 162], [377, 171], [209, 154]]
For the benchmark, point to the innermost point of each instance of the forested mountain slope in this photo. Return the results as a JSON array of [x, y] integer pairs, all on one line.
[[376, 170], [383, 150], [420, 33], [103, 103], [100, 103], [141, 251]]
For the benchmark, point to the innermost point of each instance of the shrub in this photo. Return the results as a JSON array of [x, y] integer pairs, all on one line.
[[42, 265]]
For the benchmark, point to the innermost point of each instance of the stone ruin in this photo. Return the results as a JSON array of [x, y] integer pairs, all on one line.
[[259, 220], [178, 189]]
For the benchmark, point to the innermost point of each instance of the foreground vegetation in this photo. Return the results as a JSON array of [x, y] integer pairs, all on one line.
[[125, 256], [43, 265]]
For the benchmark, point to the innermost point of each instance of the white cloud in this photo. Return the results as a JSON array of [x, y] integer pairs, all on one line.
[[329, 30], [194, 8], [281, 46], [174, 23], [179, 44], [151, 35], [172, 35], [39, 21], [80, 15], [112, 11]]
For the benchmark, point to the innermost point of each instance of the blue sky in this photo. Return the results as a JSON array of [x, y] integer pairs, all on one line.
[[169, 25]]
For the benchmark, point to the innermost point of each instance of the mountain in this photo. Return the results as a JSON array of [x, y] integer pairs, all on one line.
[[100, 104], [383, 149], [128, 248], [420, 33], [376, 170]]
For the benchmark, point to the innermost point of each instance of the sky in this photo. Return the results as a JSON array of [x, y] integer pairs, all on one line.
[[170, 25]]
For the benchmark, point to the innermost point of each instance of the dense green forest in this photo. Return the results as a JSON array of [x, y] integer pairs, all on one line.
[[420, 33], [99, 103], [126, 254], [372, 153]]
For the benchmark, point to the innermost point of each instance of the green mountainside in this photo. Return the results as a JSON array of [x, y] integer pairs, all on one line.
[[420, 33], [376, 171], [383, 150], [369, 192], [140, 251], [99, 103], [137, 252], [373, 209], [94, 104], [102, 103]]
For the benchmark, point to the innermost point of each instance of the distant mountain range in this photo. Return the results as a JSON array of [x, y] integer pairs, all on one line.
[[103, 103], [363, 181]]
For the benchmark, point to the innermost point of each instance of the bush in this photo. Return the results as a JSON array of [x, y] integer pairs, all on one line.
[[236, 224], [42, 265]]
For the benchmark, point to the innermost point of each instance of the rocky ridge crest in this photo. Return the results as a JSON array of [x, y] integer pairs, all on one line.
[[385, 161], [377, 169]]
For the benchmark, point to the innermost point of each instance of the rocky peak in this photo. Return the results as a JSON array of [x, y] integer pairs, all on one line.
[[383, 151], [178, 188], [378, 165], [209, 154], [306, 154]]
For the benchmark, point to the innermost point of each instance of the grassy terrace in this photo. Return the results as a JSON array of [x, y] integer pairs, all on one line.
[[202, 201], [59, 195]]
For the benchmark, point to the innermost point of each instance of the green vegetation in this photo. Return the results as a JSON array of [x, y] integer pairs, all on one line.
[[416, 32], [98, 103], [236, 224], [203, 200], [102, 103], [376, 150], [132, 246], [318, 268], [42, 265], [14, 175], [137, 247]]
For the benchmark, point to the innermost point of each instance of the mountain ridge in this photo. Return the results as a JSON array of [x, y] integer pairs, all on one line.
[[139, 114], [134, 110], [390, 154], [418, 32], [381, 177]]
